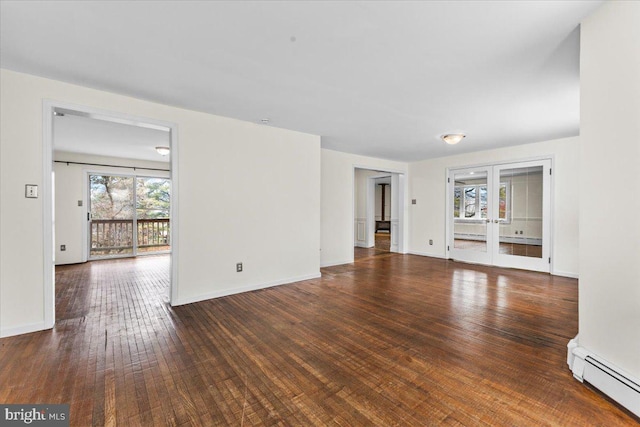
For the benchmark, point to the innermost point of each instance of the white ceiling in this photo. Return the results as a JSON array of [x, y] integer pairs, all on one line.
[[383, 79], [78, 134]]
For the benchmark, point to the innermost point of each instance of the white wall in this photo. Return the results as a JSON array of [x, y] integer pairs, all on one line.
[[427, 184], [338, 205], [609, 296], [71, 219], [247, 192]]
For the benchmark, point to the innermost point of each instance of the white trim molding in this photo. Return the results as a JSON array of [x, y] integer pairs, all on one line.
[[248, 288], [48, 108], [334, 263], [609, 379], [23, 329], [48, 215], [427, 254], [565, 274]]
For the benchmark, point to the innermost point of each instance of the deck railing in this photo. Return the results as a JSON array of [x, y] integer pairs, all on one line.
[[115, 236]]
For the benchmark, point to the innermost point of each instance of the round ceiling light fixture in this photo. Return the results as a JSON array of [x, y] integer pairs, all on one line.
[[453, 138], [163, 151]]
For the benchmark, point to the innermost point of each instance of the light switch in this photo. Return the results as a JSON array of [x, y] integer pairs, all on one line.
[[79, 202], [31, 191]]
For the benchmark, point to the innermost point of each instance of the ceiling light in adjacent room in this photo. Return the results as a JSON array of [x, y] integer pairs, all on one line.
[[163, 151], [453, 138]]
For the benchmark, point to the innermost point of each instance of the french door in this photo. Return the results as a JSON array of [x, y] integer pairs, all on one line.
[[501, 215], [127, 215]]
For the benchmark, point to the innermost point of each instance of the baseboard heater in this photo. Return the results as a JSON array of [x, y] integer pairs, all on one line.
[[618, 385], [534, 241]]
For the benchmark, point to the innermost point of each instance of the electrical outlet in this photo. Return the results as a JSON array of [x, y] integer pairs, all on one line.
[[431, 242], [414, 201], [63, 247], [79, 202], [239, 267]]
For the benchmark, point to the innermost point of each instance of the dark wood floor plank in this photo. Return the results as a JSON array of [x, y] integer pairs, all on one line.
[[388, 340]]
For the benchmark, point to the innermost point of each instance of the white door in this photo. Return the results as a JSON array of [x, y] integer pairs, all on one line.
[[501, 215], [469, 215], [111, 216], [522, 225]]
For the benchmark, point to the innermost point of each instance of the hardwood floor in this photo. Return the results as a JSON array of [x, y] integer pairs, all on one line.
[[388, 340], [382, 247], [383, 241]]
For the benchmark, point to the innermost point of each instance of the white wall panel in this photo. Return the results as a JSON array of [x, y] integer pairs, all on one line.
[[609, 297]]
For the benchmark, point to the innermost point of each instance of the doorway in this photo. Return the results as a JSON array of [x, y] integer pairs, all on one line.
[[382, 202], [501, 215], [53, 109], [373, 235]]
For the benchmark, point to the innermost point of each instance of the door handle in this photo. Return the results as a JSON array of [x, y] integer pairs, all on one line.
[[496, 221]]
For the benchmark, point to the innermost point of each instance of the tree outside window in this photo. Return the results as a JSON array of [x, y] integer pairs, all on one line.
[[473, 201]]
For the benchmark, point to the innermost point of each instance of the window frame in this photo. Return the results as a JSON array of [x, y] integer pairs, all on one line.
[[478, 207]]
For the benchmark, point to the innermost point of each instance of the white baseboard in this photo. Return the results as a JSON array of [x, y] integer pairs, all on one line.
[[241, 289], [534, 241], [23, 329], [565, 274], [426, 254], [520, 240], [334, 263], [609, 379], [362, 245]]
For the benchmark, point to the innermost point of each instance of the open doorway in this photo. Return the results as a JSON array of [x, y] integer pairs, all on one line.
[[382, 207], [378, 212], [112, 193]]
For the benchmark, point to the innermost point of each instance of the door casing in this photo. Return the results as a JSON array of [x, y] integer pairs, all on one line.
[[492, 256], [48, 108]]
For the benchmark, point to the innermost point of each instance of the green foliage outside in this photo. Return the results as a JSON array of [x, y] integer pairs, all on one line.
[[112, 197]]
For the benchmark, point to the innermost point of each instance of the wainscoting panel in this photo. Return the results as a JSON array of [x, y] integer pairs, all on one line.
[[395, 229], [360, 227]]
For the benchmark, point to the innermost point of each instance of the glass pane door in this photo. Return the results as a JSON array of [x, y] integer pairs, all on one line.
[[470, 210], [152, 211], [523, 206], [128, 215], [111, 219], [500, 215]]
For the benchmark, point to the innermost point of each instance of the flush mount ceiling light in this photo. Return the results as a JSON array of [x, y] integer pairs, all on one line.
[[163, 151], [453, 138]]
